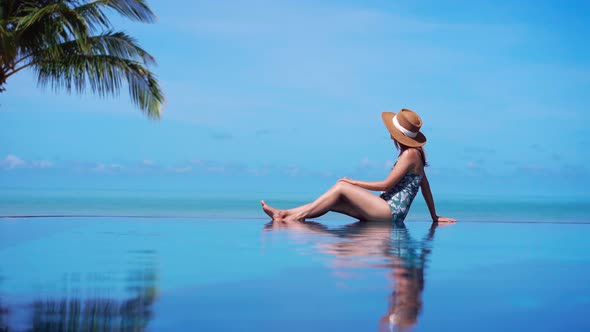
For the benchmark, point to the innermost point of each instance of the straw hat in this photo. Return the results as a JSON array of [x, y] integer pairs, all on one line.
[[405, 127]]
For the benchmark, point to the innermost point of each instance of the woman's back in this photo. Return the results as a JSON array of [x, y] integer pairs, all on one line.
[[402, 194]]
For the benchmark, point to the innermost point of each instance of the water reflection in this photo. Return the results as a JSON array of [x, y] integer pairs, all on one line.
[[73, 312], [3, 313], [382, 245]]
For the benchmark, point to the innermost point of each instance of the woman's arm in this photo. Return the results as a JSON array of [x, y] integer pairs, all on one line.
[[369, 185], [427, 194]]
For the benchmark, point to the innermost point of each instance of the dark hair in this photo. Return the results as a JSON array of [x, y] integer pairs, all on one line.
[[401, 148]]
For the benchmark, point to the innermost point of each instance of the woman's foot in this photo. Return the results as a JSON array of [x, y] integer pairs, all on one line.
[[274, 213], [293, 217]]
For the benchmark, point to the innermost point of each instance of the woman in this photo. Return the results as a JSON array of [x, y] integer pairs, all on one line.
[[353, 197]]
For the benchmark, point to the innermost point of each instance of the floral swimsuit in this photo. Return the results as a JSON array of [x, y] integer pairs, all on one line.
[[400, 196]]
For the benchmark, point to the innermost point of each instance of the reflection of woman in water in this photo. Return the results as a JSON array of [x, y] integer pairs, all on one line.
[[353, 197], [410, 258], [406, 257]]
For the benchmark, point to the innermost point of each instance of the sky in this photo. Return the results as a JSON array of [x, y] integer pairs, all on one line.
[[286, 96]]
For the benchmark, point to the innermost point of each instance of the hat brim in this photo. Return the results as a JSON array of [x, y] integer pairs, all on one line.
[[415, 142]]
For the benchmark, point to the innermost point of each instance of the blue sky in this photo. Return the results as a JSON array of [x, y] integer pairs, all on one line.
[[287, 95]]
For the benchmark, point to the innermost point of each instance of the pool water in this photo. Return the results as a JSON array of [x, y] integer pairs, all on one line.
[[188, 274]]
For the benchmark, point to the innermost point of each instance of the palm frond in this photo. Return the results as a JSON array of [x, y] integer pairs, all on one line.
[[44, 29], [94, 15], [145, 90], [121, 45], [57, 19], [136, 10], [103, 74], [116, 44]]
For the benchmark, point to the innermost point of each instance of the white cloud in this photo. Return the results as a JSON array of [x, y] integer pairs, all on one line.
[[101, 167], [198, 162], [366, 163], [292, 170], [215, 169], [256, 171], [12, 162], [180, 169], [42, 164]]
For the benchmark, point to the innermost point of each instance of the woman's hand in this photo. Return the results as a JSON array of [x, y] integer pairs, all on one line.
[[444, 220], [345, 179]]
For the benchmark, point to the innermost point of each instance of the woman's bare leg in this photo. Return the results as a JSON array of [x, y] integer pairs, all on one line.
[[341, 207], [344, 198], [300, 209], [277, 214]]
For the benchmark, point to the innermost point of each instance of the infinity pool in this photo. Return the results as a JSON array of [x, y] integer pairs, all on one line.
[[162, 274]]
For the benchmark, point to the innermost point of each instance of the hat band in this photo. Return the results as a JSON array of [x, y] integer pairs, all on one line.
[[404, 131]]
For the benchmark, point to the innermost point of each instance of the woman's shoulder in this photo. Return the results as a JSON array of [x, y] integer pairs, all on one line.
[[413, 157], [411, 153]]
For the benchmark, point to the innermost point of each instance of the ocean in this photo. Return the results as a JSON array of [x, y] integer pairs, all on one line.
[[244, 204]]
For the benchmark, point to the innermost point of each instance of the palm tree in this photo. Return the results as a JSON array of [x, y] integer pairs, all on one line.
[[71, 45]]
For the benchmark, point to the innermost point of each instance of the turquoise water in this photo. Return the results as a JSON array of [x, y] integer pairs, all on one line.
[[21, 202], [239, 274]]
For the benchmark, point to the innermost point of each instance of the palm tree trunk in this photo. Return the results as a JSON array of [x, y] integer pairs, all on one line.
[[2, 79]]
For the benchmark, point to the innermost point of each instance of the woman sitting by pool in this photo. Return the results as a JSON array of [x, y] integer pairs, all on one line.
[[353, 197]]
